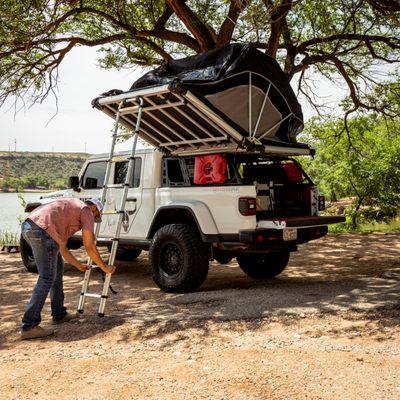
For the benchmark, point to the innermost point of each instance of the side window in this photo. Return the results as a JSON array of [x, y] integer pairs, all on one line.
[[174, 172], [93, 177], [121, 169]]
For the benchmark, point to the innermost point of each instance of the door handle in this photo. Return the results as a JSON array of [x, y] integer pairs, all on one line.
[[131, 200]]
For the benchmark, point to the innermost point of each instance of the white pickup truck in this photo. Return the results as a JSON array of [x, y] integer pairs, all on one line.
[[266, 206], [220, 182]]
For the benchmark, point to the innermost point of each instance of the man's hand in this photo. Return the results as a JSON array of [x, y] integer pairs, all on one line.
[[66, 254], [90, 246], [110, 270], [82, 267]]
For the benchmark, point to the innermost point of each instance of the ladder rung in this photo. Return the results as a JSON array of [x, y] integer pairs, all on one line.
[[116, 185], [95, 295], [123, 135], [121, 158], [111, 212]]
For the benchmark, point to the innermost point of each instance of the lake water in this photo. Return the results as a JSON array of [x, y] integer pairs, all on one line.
[[11, 209]]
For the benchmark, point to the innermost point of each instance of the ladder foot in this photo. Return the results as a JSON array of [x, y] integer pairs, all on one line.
[[101, 315], [79, 311]]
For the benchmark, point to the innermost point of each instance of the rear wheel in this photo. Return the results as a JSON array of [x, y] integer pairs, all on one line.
[[27, 255], [179, 259], [263, 265]]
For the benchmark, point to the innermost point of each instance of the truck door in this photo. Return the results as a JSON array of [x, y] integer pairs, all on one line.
[[114, 196]]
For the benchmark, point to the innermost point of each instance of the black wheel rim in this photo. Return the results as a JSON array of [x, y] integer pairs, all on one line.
[[171, 259]]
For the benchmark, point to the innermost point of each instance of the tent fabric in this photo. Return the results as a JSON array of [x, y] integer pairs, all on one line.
[[226, 78]]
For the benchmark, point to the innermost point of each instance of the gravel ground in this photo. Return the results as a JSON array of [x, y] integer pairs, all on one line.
[[327, 328]]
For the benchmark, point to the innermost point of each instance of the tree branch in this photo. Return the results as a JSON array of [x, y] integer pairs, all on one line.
[[385, 6], [226, 31], [201, 31], [391, 42], [278, 15], [165, 16], [172, 36]]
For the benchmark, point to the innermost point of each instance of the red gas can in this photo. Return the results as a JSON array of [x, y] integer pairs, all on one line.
[[210, 169]]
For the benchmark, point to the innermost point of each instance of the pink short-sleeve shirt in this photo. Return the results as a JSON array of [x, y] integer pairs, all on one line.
[[62, 218]]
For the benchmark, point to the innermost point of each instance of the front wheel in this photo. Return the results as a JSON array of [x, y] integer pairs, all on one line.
[[263, 265], [27, 255], [179, 259]]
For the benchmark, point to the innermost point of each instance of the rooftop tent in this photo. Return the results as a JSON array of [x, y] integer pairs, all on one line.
[[235, 95]]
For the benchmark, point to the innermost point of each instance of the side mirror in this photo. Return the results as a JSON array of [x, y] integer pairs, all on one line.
[[74, 183]]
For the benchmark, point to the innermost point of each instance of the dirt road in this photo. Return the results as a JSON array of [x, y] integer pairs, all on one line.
[[327, 328]]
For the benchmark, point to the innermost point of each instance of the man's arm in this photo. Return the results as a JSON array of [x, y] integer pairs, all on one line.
[[67, 256], [88, 242]]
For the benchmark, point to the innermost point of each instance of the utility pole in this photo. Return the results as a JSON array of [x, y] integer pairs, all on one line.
[[15, 145]]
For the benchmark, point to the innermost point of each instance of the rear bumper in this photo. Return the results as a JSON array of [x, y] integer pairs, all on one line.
[[299, 222], [275, 237], [272, 235], [304, 229], [268, 240]]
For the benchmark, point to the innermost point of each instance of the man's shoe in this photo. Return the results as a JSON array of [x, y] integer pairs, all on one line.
[[68, 317], [36, 332]]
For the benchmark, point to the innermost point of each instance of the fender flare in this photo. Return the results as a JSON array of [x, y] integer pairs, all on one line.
[[200, 213]]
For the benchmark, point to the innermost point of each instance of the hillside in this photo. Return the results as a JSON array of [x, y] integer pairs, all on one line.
[[53, 168]]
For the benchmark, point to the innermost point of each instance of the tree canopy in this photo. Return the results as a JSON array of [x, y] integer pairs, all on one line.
[[348, 41], [366, 168]]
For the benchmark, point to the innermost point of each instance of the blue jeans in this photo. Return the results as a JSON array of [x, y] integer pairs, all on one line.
[[50, 267]]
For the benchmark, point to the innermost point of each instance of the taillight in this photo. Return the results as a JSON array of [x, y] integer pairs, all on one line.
[[321, 203], [247, 206]]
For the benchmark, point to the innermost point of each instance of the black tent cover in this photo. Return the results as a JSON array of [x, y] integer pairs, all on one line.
[[221, 78]]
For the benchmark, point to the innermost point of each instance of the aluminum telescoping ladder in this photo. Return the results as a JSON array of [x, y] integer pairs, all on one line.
[[120, 212]]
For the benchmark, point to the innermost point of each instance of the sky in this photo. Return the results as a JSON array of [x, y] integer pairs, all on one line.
[[77, 127]]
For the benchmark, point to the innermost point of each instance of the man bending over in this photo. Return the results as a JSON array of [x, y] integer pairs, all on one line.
[[47, 230]]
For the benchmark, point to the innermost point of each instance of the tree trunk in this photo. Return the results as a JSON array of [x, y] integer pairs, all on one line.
[[355, 214]]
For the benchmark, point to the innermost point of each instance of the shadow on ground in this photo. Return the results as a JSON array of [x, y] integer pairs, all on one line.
[[336, 274]]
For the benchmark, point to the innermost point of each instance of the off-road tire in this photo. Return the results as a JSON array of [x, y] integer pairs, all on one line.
[[222, 258], [124, 254], [179, 259], [27, 255], [263, 265]]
